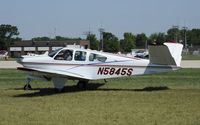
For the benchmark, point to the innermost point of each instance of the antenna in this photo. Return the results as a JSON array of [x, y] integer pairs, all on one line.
[[101, 30], [54, 32], [88, 33], [176, 34], [185, 36]]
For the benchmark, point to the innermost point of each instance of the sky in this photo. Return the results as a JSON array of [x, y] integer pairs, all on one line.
[[72, 18]]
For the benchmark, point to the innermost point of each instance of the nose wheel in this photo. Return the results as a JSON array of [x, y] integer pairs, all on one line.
[[27, 86]]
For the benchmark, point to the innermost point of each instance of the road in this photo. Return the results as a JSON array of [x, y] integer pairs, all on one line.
[[190, 64], [184, 64]]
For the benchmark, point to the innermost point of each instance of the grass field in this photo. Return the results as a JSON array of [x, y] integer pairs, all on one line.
[[191, 57], [162, 99], [9, 59]]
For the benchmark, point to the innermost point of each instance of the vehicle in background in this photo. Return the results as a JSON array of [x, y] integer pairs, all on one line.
[[144, 54], [3, 54]]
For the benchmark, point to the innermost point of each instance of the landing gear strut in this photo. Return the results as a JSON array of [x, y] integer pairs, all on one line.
[[82, 84], [27, 86], [59, 83]]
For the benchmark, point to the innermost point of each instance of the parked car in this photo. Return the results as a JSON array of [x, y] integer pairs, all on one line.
[[142, 54]]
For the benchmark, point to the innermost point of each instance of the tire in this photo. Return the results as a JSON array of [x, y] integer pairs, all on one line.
[[27, 87], [81, 85]]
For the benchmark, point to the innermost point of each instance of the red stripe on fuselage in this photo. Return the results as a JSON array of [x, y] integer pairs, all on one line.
[[99, 65], [94, 65]]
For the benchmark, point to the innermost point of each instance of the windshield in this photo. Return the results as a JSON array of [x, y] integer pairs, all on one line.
[[51, 54]]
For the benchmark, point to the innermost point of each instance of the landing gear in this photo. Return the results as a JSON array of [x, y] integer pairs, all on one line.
[[59, 83], [82, 84], [105, 81], [59, 90], [27, 86]]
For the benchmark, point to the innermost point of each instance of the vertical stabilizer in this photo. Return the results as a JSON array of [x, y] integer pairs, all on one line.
[[167, 54]]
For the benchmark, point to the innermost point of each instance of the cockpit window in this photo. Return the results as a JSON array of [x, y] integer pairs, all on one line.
[[97, 57], [64, 55], [52, 53], [80, 56]]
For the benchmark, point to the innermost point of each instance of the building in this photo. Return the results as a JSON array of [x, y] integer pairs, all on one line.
[[38, 47]]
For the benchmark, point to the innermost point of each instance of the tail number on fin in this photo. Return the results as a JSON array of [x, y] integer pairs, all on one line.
[[114, 71]]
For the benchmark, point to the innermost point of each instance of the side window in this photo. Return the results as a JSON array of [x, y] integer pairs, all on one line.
[[80, 56], [64, 55], [97, 57]]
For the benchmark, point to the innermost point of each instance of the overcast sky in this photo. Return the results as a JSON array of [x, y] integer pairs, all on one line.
[[71, 18]]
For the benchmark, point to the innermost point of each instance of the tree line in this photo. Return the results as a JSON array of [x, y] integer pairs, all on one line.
[[8, 34], [110, 42], [131, 41]]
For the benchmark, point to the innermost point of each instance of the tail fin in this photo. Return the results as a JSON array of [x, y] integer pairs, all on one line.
[[167, 54]]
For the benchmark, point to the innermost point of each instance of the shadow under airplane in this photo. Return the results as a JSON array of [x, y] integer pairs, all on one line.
[[90, 87]]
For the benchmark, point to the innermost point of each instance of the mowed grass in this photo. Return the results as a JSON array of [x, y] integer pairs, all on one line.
[[191, 57], [162, 99]]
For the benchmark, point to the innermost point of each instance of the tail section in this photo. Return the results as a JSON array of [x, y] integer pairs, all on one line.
[[167, 54]]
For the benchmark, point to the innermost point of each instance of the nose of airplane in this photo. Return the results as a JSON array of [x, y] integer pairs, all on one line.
[[20, 60]]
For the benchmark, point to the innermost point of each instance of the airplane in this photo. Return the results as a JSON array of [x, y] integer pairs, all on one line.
[[84, 64]]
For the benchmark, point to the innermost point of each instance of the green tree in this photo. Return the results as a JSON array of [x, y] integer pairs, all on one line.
[[158, 38], [128, 42], [173, 34], [194, 37], [61, 38], [141, 40], [8, 34], [94, 43], [111, 42], [44, 38]]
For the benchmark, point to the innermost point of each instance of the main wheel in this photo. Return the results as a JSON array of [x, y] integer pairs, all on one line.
[[27, 87], [82, 84], [59, 90]]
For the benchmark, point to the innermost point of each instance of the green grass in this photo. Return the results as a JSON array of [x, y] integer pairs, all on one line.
[[9, 59], [162, 99], [191, 57]]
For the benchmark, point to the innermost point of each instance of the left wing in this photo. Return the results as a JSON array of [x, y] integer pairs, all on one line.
[[63, 73]]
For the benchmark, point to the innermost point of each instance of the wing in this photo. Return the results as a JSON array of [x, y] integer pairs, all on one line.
[[62, 73]]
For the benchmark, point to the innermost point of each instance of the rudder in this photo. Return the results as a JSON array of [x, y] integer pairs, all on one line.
[[167, 54]]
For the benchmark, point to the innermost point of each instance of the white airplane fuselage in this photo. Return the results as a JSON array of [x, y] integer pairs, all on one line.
[[114, 66]]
